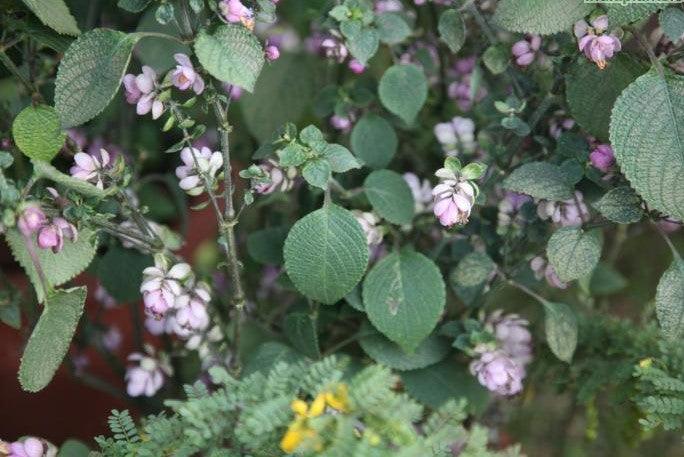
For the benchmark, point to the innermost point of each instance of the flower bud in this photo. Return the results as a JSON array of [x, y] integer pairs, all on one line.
[[31, 219]]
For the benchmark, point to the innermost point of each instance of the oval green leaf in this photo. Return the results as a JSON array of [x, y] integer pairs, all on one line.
[[403, 91], [37, 132], [374, 141], [390, 196]]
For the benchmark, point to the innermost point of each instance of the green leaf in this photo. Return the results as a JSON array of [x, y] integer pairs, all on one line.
[[361, 41], [473, 270], [340, 159], [374, 141], [317, 173], [670, 301], [266, 246], [452, 30], [158, 52], [403, 91], [90, 74], [496, 58], [133, 6], [672, 23], [623, 14], [300, 329], [404, 295], [57, 268], [560, 324], [620, 205], [47, 171], [55, 14], [605, 280], [446, 380], [51, 338], [543, 17], [37, 132], [283, 93], [430, 351], [311, 135], [231, 54], [390, 196], [292, 155], [73, 448], [647, 135], [574, 252], [326, 254], [120, 273], [591, 91], [473, 170], [539, 180], [392, 28]]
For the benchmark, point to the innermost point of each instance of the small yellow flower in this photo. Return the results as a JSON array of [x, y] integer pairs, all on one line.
[[299, 407], [646, 363], [338, 400], [293, 437], [318, 406]]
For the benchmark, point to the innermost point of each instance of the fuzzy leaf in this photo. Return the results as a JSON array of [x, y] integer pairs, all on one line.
[[560, 323], [231, 54], [574, 252], [37, 132], [266, 246], [133, 6], [340, 158], [647, 135], [539, 180], [403, 91], [120, 273], [392, 28], [47, 171], [55, 14], [51, 338], [592, 92], [451, 29], [670, 301], [622, 14], [473, 270], [620, 205], [404, 295], [430, 351], [317, 173], [543, 17], [90, 74], [326, 254], [362, 41], [374, 141], [58, 268], [672, 23], [390, 196], [300, 329]]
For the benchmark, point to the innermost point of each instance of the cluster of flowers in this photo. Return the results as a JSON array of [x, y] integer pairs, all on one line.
[[502, 368], [272, 177], [594, 42], [460, 90], [526, 50], [198, 165], [454, 197], [51, 232], [147, 376], [456, 136], [28, 447]]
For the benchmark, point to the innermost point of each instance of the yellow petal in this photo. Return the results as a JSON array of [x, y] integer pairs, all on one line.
[[339, 400], [292, 438], [299, 407], [318, 406]]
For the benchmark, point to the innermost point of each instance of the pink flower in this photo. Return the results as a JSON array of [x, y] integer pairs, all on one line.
[[594, 43], [185, 76], [509, 209], [235, 11], [51, 236], [456, 136], [31, 219], [511, 333], [89, 168], [356, 67], [141, 91], [341, 123], [454, 198], [194, 169], [369, 224], [274, 178], [161, 288], [525, 50], [421, 191], [543, 269], [148, 376], [32, 447], [602, 157], [498, 372], [191, 314], [272, 52], [560, 123], [333, 48], [571, 212], [112, 338]]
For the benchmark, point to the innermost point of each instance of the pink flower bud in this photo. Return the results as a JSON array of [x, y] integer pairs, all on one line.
[[453, 199], [147, 377], [272, 52], [275, 178], [356, 67], [602, 157], [50, 237], [341, 123], [184, 76], [31, 219], [234, 11], [498, 372]]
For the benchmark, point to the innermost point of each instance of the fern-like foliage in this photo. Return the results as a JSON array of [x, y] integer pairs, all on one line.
[[362, 415]]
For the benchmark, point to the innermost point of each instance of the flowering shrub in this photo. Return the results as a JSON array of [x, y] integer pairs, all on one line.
[[424, 214]]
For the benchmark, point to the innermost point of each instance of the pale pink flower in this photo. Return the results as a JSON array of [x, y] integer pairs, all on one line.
[[141, 91], [161, 287], [456, 136], [571, 212], [454, 198], [90, 168], [602, 157], [592, 40], [525, 50], [31, 219], [32, 447], [341, 123], [51, 236], [184, 76], [356, 67], [512, 335], [498, 372], [421, 191], [198, 164], [333, 48], [543, 269], [369, 224], [234, 11], [147, 377], [272, 52], [274, 178]]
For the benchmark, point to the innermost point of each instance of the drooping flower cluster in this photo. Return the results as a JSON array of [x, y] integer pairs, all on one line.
[[594, 42], [198, 164], [525, 50], [51, 232], [567, 213], [146, 376], [456, 136], [30, 447], [602, 157], [273, 178], [185, 77], [421, 191], [91, 167], [142, 91], [543, 269], [501, 369], [460, 90], [454, 197], [369, 223], [236, 12]]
